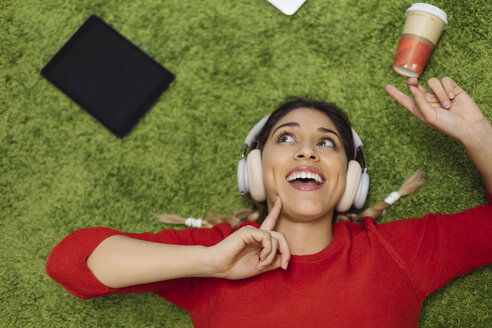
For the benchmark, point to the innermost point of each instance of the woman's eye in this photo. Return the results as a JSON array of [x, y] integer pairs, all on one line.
[[327, 143], [285, 138]]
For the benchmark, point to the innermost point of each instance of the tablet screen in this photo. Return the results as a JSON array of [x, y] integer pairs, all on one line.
[[108, 76]]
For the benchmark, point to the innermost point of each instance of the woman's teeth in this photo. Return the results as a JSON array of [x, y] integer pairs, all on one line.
[[305, 175]]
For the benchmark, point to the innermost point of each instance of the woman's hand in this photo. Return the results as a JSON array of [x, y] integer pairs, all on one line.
[[250, 251], [446, 108], [450, 110]]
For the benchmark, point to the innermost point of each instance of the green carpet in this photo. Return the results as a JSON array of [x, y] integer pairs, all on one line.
[[235, 61]]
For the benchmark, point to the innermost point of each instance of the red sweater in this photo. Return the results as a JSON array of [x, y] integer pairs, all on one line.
[[369, 276]]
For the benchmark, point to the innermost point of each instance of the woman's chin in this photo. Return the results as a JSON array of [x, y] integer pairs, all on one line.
[[303, 206], [306, 213]]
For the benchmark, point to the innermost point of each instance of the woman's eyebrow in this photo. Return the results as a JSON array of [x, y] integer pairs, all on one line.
[[286, 124], [325, 130]]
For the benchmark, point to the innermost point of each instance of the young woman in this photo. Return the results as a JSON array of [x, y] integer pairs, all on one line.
[[298, 268]]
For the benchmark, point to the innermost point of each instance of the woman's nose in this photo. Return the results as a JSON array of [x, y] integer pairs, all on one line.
[[307, 151]]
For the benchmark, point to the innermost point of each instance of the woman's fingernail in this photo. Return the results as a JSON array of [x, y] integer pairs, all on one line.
[[260, 267], [286, 265], [446, 104], [412, 89], [451, 95]]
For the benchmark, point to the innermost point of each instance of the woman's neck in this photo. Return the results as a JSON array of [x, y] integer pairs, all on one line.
[[306, 238]]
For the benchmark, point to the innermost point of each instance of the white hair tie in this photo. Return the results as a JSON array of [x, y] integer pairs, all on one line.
[[194, 223], [393, 197]]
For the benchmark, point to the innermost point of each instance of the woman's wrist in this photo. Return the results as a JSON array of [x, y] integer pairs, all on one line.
[[206, 260], [210, 268], [479, 137], [478, 145], [193, 261]]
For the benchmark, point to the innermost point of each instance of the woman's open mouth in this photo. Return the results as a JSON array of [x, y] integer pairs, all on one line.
[[305, 178]]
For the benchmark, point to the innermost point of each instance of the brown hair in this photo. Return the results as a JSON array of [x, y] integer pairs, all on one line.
[[259, 211]]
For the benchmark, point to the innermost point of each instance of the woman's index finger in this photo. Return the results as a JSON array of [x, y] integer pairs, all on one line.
[[400, 97], [271, 219]]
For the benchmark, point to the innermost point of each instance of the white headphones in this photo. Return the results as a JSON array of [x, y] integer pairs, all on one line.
[[250, 178]]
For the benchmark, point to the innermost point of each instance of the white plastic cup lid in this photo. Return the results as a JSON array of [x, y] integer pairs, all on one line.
[[433, 10]]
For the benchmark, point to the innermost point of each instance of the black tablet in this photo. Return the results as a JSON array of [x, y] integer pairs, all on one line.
[[108, 76]]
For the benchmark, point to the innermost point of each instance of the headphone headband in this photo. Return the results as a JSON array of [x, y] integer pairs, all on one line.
[[253, 133]]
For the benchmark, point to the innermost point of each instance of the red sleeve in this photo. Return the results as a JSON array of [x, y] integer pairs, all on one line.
[[67, 261], [438, 248]]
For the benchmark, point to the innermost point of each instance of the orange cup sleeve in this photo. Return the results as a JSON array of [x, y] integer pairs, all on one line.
[[412, 54]]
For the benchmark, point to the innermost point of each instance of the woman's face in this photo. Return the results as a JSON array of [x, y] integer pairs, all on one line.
[[304, 162]]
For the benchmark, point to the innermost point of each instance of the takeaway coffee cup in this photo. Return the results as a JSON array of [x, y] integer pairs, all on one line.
[[421, 32]]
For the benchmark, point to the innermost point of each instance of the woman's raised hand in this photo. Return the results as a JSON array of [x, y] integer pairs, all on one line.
[[450, 110], [446, 108], [250, 251]]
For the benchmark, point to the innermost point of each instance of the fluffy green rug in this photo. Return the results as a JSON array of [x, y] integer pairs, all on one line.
[[235, 61]]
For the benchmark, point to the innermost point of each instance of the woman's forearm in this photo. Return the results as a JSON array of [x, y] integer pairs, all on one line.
[[479, 147], [120, 261]]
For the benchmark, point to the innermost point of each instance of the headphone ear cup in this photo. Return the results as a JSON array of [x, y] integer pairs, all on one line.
[[255, 176], [242, 177], [361, 196], [354, 173]]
